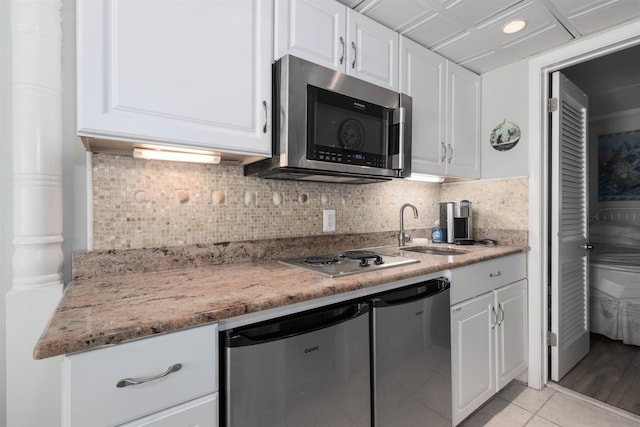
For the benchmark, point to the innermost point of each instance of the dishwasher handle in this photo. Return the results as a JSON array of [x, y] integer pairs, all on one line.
[[411, 293], [295, 324]]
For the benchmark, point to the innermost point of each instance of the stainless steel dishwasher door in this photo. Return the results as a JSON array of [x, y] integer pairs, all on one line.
[[412, 356], [311, 369]]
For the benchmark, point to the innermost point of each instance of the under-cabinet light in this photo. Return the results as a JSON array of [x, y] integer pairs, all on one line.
[[176, 156], [514, 26], [425, 178]]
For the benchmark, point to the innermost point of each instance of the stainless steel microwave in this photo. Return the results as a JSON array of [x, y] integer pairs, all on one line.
[[331, 127]]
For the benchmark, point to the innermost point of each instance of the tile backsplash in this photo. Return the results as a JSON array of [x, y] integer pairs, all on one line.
[[145, 204]]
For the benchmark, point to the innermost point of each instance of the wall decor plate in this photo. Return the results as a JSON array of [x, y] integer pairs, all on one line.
[[505, 136]]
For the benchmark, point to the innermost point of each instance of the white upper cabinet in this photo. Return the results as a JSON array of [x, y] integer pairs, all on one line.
[[185, 74], [423, 77], [463, 122], [314, 30], [446, 113], [330, 34]]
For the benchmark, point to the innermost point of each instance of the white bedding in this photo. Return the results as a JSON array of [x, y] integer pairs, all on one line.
[[615, 276]]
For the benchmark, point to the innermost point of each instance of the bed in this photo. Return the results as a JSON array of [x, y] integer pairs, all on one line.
[[614, 274]]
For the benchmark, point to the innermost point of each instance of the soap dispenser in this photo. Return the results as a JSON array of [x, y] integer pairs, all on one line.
[[436, 233]]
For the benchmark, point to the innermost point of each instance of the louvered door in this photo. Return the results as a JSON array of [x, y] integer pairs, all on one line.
[[569, 227]]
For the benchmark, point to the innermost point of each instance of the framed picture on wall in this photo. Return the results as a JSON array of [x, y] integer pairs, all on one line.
[[619, 166]]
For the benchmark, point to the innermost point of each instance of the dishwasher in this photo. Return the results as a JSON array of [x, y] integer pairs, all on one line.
[[411, 358], [306, 369]]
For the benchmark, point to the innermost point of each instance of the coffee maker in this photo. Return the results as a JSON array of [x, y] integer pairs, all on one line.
[[456, 222]]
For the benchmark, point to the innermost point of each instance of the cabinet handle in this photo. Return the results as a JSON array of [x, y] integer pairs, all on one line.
[[450, 153], [444, 152], [136, 381], [496, 274], [494, 314], [355, 55], [342, 45], [501, 310], [266, 116]]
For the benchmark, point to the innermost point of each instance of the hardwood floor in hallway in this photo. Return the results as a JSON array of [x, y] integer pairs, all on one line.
[[610, 373]]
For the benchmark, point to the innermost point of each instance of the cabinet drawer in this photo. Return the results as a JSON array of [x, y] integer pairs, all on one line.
[[91, 395], [473, 280], [200, 412]]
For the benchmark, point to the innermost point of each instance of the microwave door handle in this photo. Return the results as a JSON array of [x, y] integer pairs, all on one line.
[[399, 120]]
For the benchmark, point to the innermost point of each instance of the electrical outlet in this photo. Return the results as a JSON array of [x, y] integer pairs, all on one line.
[[328, 220]]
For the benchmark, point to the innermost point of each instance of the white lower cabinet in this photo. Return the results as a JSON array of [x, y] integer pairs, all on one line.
[[473, 358], [166, 380], [488, 335], [201, 412]]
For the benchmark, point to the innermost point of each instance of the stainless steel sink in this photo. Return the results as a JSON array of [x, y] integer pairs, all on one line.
[[432, 251]]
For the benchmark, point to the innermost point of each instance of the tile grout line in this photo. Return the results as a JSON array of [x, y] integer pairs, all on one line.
[[540, 409], [594, 402]]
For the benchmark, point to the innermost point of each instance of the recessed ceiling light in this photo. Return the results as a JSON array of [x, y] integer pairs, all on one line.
[[514, 26]]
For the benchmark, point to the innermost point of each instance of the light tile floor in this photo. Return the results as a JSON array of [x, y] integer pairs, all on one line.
[[518, 405]]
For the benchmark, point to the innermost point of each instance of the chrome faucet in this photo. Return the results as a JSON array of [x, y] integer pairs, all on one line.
[[402, 237]]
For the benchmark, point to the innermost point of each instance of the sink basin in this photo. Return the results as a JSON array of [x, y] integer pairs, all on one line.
[[432, 251]]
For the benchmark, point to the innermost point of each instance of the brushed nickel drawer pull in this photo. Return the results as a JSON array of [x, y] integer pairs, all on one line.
[[494, 314], [266, 116], [355, 55], [136, 381], [496, 274]]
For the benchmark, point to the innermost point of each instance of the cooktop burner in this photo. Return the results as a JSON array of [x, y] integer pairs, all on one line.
[[321, 259], [347, 262]]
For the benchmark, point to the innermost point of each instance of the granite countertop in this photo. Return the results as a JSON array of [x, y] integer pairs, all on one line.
[[100, 311]]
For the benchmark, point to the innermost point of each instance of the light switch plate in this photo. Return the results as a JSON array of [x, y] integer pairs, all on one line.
[[328, 220]]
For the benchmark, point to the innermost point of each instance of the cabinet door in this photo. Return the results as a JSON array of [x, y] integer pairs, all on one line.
[[512, 341], [463, 123], [372, 51], [472, 354], [314, 30], [180, 73], [422, 76], [200, 412]]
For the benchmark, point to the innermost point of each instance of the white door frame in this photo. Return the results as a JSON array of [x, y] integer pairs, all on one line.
[[539, 68]]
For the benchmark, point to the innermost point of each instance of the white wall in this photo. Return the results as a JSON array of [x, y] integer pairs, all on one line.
[[5, 194], [74, 171], [504, 97]]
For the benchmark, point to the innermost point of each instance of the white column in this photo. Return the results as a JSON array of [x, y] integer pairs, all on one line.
[[33, 387]]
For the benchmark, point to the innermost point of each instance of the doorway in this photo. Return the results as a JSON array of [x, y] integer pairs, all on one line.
[[538, 69], [611, 369]]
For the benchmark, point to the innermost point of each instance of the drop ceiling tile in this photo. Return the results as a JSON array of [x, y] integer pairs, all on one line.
[[589, 21], [533, 12], [390, 14], [545, 38], [489, 36], [574, 7], [433, 30], [474, 11], [464, 47], [350, 3], [487, 62]]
